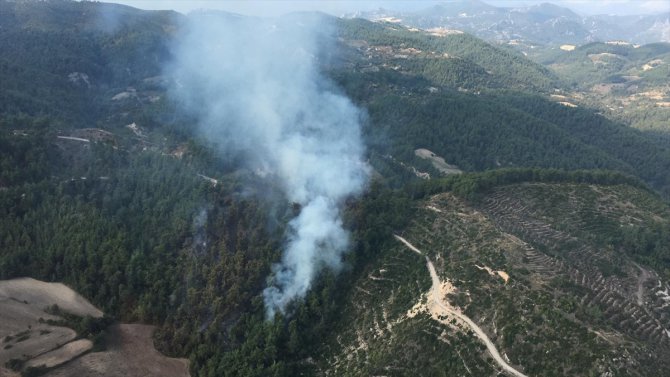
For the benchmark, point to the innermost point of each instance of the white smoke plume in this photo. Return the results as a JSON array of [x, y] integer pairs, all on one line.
[[256, 87]]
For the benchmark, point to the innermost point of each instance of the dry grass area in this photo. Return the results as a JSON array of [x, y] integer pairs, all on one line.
[[130, 353], [23, 336], [4, 372], [568, 104], [652, 94], [61, 355], [32, 342], [22, 305], [502, 274], [652, 64], [603, 57], [442, 32], [438, 162], [41, 294]]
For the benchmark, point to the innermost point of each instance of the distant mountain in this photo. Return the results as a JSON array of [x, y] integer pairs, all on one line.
[[525, 261], [461, 7], [628, 82], [636, 29], [537, 24]]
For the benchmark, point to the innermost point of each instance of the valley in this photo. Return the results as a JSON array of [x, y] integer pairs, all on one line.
[[311, 195]]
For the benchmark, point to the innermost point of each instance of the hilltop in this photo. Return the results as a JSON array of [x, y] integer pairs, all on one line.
[[552, 272], [509, 226]]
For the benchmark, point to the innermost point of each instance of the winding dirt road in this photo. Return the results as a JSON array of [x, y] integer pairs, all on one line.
[[446, 307]]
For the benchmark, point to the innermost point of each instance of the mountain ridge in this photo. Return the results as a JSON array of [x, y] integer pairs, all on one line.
[[552, 236], [544, 24]]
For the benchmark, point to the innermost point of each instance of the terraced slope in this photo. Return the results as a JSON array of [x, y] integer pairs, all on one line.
[[576, 236], [538, 267]]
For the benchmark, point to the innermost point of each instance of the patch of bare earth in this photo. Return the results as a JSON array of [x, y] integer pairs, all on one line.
[[438, 162], [61, 355], [604, 58], [568, 104], [656, 94], [503, 275], [4, 372], [130, 353], [33, 342], [41, 294], [443, 32], [23, 332], [442, 311], [24, 335]]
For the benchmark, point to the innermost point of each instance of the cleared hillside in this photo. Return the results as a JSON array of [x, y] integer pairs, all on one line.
[[579, 299], [106, 186]]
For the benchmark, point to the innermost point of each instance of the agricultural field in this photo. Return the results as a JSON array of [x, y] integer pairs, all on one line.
[[37, 328]]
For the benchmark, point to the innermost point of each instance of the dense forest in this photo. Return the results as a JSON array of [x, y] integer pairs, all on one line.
[[106, 186]]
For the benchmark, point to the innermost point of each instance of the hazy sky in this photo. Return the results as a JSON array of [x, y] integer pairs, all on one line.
[[339, 7]]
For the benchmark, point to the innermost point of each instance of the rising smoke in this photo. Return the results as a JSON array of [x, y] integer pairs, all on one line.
[[255, 85]]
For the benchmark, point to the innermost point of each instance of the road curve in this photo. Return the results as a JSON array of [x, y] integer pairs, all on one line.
[[435, 294]]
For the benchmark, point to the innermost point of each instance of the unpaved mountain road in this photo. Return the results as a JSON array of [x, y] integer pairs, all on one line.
[[409, 245], [446, 307]]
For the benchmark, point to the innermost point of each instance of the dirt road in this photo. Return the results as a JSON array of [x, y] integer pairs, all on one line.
[[409, 245], [446, 307]]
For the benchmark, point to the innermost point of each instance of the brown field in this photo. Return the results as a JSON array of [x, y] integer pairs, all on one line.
[[130, 350], [130, 353], [40, 294], [437, 161], [22, 305], [4, 372], [62, 354]]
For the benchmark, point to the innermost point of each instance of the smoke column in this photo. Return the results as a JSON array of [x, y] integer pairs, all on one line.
[[257, 90]]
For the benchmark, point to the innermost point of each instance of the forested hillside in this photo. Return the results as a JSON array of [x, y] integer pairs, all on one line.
[[549, 264], [485, 126], [455, 60], [627, 82], [106, 186]]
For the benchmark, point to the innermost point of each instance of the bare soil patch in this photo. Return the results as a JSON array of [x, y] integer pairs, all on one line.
[[503, 275], [442, 311], [438, 162], [33, 341], [442, 32], [61, 355], [24, 333], [4, 372], [42, 294], [131, 353]]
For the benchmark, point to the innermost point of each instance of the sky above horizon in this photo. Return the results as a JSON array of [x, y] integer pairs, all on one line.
[[270, 8]]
